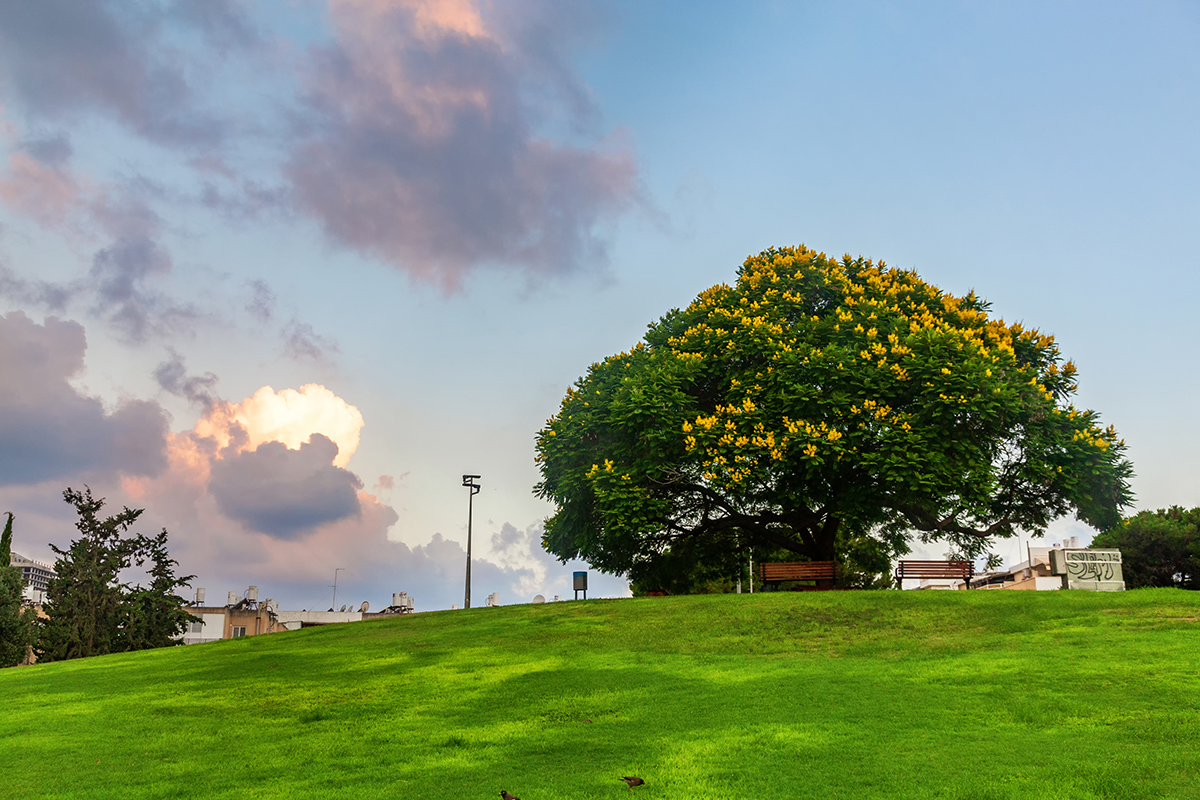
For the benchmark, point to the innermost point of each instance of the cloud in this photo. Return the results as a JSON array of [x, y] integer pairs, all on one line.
[[41, 186], [48, 430], [288, 416], [172, 376], [273, 464], [421, 133], [43, 294], [257, 492], [63, 58], [261, 304], [301, 342], [423, 150], [120, 272], [285, 493]]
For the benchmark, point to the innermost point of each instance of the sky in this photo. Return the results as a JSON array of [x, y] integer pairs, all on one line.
[[281, 272]]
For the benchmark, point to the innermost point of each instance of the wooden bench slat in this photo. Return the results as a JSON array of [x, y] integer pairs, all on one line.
[[935, 569], [798, 571]]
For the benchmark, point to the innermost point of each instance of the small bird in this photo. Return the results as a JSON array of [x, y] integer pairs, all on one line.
[[631, 782], [508, 796]]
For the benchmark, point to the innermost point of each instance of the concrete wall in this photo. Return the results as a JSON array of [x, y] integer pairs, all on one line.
[[294, 620]]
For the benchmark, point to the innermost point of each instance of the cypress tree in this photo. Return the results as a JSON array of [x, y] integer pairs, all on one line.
[[16, 623]]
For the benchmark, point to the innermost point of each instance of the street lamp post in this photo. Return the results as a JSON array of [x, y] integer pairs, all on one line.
[[469, 481]]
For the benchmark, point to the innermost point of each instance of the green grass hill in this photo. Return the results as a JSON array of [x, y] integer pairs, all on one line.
[[789, 695]]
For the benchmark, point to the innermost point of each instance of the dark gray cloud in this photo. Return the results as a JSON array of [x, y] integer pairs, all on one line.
[[285, 493], [48, 430], [62, 58], [172, 376], [424, 149], [124, 272]]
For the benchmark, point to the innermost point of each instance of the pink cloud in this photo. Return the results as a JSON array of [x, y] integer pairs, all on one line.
[[427, 152], [46, 193]]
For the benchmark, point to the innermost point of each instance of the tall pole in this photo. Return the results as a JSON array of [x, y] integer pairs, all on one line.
[[469, 481], [335, 572]]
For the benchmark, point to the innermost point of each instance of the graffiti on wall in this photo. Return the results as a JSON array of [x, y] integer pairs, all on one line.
[[1094, 565]]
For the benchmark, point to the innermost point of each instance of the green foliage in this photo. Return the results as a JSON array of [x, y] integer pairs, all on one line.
[[827, 409], [90, 611], [1158, 548], [863, 695], [154, 614], [16, 623]]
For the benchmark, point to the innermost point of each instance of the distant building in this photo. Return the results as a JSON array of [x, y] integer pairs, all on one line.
[[240, 616], [1032, 574], [246, 616], [35, 576], [1062, 566]]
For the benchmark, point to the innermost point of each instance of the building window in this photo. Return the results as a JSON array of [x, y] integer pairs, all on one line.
[[196, 627], [238, 630]]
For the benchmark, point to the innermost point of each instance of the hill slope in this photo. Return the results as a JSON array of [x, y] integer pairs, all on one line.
[[837, 694]]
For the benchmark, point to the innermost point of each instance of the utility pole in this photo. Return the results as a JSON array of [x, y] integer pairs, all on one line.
[[469, 481], [335, 572]]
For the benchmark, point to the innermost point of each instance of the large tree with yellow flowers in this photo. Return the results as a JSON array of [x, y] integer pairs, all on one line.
[[817, 407]]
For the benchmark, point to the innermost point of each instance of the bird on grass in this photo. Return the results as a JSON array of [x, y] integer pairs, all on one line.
[[508, 796], [631, 782]]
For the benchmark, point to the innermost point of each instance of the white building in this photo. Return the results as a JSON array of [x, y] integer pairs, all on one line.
[[1054, 567], [35, 576], [246, 616]]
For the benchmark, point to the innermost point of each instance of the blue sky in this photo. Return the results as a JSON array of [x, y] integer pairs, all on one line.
[[442, 212]]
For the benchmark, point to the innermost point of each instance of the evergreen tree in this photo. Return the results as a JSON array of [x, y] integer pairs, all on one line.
[[90, 611], [16, 623], [84, 599], [154, 615], [1158, 548]]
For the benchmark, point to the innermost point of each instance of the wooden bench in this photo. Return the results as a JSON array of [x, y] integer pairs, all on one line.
[[817, 571], [963, 570]]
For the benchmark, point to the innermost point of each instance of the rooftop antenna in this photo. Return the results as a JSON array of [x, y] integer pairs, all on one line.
[[469, 481], [335, 572]]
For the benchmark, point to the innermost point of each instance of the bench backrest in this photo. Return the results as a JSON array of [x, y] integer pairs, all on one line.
[[798, 571], [936, 569]]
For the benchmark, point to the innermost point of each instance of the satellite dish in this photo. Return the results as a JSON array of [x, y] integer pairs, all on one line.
[[343, 608], [537, 598], [363, 608]]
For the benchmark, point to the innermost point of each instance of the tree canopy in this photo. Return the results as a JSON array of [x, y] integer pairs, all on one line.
[[821, 407], [1158, 548], [90, 611]]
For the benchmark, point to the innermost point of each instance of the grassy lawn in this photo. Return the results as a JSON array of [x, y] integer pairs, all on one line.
[[835, 694]]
